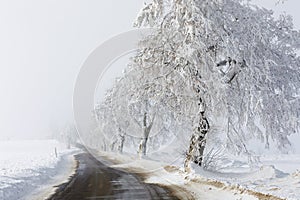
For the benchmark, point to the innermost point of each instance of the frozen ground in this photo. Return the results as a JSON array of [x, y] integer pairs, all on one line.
[[275, 177], [29, 169]]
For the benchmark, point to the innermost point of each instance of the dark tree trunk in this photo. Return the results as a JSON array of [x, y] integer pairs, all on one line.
[[122, 138], [147, 130], [202, 129], [198, 140]]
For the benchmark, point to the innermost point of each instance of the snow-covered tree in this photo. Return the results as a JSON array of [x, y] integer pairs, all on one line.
[[238, 62], [227, 69], [68, 135], [127, 117]]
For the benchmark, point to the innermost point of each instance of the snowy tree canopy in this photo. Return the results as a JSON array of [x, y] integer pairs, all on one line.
[[227, 68]]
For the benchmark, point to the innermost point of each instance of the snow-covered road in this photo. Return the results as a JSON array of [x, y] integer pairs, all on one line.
[[94, 180]]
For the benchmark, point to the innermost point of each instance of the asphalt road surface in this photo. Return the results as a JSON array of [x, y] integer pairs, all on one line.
[[94, 180]]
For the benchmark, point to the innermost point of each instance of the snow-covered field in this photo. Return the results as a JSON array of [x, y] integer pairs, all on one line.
[[277, 175], [274, 177], [29, 169]]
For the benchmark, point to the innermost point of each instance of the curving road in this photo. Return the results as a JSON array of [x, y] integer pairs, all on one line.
[[94, 180]]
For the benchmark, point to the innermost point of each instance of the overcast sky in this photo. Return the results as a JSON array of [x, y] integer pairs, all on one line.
[[42, 46]]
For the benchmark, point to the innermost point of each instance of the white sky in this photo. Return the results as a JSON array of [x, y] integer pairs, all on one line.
[[42, 46], [291, 7]]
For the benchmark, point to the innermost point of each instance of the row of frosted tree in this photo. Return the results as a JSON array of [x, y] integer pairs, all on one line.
[[212, 73]]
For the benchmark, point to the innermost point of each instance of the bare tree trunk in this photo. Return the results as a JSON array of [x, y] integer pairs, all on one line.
[[112, 147], [147, 130], [145, 139], [190, 154], [201, 147], [122, 138], [55, 151], [198, 140], [202, 131], [104, 148], [197, 145]]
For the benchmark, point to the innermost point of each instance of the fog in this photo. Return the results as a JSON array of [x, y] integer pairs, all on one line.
[[43, 44]]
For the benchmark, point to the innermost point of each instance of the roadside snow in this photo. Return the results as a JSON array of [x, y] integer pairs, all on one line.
[[275, 177], [184, 186], [29, 169]]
